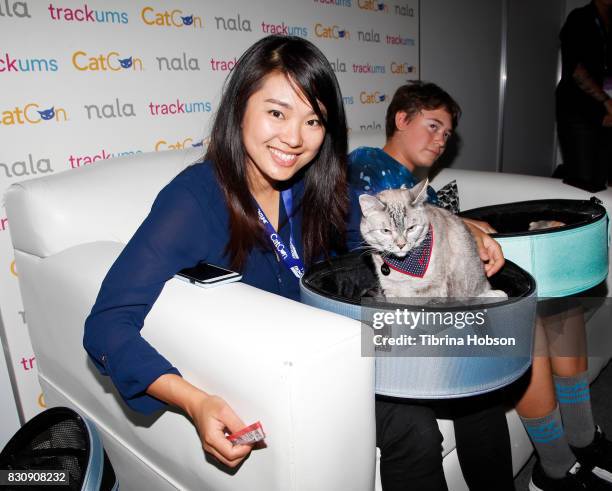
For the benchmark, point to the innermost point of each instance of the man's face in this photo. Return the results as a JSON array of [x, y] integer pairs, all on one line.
[[422, 139]]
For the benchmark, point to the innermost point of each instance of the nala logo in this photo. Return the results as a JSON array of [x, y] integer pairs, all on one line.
[[10, 64], [113, 110], [27, 167], [399, 40], [372, 97], [161, 145], [402, 68], [338, 66], [369, 36], [85, 14], [170, 18], [183, 63], [404, 10], [373, 5], [373, 126], [331, 32], [233, 24], [283, 29], [111, 61], [14, 9], [32, 114]]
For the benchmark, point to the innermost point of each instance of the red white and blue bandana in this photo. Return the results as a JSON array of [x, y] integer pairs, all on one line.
[[416, 262]]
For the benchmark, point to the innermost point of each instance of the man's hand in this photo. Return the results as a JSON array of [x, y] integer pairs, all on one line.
[[489, 249]]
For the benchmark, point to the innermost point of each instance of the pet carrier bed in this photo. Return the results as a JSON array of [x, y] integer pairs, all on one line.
[[564, 260], [347, 285], [55, 443]]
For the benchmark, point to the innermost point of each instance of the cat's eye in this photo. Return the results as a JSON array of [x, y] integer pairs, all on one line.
[[386, 231]]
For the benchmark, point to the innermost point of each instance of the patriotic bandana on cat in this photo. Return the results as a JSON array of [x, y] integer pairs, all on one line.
[[415, 263]]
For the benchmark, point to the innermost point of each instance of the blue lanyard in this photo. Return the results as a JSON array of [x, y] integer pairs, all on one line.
[[290, 257]]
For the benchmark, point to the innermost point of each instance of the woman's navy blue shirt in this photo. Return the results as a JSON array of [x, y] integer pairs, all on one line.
[[188, 223]]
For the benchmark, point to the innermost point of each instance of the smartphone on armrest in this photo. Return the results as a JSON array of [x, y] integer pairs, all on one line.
[[207, 275]]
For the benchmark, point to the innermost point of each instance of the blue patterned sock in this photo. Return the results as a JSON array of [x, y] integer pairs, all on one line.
[[574, 396], [548, 438]]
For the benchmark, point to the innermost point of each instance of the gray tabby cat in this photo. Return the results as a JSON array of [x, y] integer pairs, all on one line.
[[396, 221]]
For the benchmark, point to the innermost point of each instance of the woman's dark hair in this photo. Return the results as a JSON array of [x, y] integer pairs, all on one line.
[[325, 198], [415, 96]]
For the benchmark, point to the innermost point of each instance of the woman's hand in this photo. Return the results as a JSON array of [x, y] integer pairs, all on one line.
[[489, 249], [210, 414]]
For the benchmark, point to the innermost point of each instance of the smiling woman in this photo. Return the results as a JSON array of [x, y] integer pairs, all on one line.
[[276, 161]]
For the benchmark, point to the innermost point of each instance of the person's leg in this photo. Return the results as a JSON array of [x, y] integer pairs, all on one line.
[[410, 443], [579, 146], [483, 443]]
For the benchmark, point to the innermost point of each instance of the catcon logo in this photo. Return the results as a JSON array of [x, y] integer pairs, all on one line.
[[283, 29], [222, 65], [404, 10], [76, 161], [27, 167], [331, 32], [182, 63], [111, 61], [373, 5], [32, 114], [337, 3], [170, 18], [368, 36], [402, 68], [371, 97], [113, 110], [85, 14], [161, 145], [179, 107], [10, 64], [400, 40], [14, 9], [367, 68], [233, 24]]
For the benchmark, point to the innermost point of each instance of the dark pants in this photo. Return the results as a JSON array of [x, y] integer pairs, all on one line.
[[411, 444], [587, 154]]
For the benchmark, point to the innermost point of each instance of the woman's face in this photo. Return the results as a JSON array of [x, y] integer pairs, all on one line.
[[280, 131]]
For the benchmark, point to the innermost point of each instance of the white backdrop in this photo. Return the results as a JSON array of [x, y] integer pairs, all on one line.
[[86, 81]]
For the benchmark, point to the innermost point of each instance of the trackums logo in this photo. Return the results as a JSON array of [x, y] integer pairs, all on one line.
[[10, 64], [85, 14]]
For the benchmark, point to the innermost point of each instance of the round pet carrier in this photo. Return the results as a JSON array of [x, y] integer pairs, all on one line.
[[564, 260], [494, 353], [58, 444]]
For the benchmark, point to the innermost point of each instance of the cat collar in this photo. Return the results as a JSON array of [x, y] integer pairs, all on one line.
[[415, 263]]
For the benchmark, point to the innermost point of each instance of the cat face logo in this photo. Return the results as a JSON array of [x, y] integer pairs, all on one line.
[[126, 62], [382, 97], [47, 114], [187, 20], [381, 6]]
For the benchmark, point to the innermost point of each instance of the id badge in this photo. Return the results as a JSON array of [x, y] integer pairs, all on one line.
[[607, 85]]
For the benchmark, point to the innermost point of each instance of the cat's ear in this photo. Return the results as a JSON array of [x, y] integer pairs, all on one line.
[[419, 192], [370, 204]]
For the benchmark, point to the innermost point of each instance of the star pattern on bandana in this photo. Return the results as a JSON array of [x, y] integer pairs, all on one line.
[[416, 262]]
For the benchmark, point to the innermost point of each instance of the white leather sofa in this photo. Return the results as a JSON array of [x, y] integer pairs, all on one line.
[[301, 376]]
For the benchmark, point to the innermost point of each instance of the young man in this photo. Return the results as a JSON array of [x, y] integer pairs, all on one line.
[[573, 453], [419, 122]]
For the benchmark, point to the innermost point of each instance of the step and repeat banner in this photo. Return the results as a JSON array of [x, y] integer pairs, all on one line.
[[83, 82]]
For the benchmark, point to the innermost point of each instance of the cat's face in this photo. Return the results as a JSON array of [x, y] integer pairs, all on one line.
[[188, 20], [47, 114], [394, 221]]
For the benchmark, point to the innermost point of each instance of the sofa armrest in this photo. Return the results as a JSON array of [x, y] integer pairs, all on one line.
[[295, 368]]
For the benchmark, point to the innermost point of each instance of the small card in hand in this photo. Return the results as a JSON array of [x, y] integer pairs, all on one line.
[[251, 434]]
